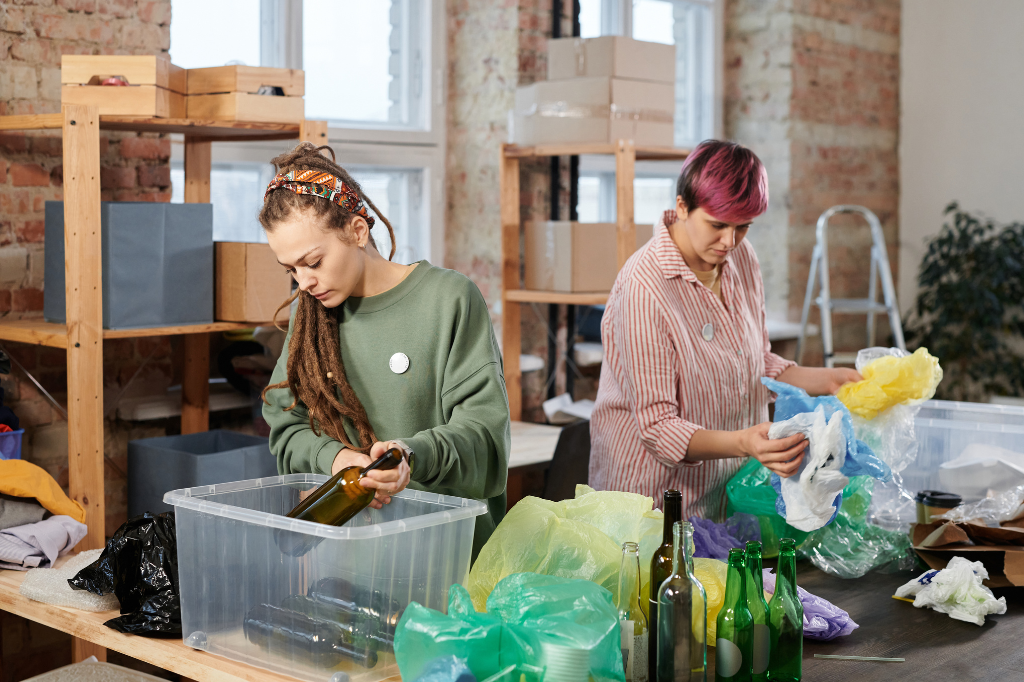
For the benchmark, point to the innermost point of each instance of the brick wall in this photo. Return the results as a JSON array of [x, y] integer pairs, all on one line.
[[812, 86]]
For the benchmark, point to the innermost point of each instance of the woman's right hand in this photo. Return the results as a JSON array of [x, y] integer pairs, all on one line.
[[781, 455]]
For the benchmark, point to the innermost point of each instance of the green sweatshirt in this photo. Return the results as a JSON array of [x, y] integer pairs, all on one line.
[[450, 406]]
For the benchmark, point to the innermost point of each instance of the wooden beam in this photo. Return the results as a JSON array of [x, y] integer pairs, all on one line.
[[195, 382], [36, 332], [32, 122], [84, 296], [510, 311], [556, 297], [313, 131], [82, 649], [625, 172]]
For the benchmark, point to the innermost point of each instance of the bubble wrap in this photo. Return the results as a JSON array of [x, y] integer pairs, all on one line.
[[50, 585], [823, 620], [90, 670]]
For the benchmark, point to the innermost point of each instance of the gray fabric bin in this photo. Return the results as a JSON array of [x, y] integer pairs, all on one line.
[[157, 264], [156, 465]]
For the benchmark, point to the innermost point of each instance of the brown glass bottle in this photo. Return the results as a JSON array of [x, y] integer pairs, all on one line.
[[335, 502], [661, 569]]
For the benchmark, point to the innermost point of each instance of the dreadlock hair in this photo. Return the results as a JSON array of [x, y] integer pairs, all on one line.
[[316, 373]]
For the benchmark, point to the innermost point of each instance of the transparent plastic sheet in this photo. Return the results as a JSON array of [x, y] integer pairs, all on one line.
[[956, 590], [823, 620], [993, 510], [50, 586], [524, 611], [579, 538]]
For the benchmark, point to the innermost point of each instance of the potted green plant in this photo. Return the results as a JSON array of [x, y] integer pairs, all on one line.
[[969, 310]]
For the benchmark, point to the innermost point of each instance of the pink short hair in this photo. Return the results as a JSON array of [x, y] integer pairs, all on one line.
[[725, 179]]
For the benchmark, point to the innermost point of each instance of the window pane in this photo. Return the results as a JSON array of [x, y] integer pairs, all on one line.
[[236, 192], [588, 209], [207, 33], [590, 20], [398, 193], [652, 196], [652, 21], [346, 55]]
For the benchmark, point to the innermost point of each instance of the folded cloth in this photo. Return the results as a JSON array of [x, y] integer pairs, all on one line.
[[19, 511], [39, 544], [24, 479]]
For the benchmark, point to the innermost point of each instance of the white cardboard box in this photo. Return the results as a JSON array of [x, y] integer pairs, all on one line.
[[595, 110], [611, 57]]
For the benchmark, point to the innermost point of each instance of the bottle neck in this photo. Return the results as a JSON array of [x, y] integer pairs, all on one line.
[[629, 580], [735, 585], [673, 512], [688, 548], [389, 460], [678, 551], [786, 572]]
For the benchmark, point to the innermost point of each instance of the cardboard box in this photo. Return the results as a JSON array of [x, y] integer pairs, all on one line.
[[574, 257], [611, 57], [243, 106], [155, 86], [221, 79], [1001, 550], [595, 110], [251, 284]]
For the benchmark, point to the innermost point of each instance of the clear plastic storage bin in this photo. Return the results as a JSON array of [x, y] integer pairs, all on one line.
[[357, 579]]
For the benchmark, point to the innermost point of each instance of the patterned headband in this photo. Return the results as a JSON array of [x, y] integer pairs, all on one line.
[[321, 184]]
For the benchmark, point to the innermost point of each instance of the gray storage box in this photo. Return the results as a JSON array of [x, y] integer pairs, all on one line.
[[157, 465], [157, 264]]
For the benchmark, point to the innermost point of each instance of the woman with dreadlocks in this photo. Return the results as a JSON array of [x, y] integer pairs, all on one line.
[[379, 354]]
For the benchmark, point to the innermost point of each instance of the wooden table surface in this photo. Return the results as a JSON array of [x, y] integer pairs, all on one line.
[[937, 648]]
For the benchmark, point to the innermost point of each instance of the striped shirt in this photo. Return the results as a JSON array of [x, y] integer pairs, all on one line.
[[678, 359]]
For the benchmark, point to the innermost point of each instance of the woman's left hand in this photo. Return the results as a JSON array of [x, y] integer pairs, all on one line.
[[819, 380], [837, 376], [389, 482]]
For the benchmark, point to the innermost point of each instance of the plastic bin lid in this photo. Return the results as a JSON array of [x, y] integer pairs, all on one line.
[[937, 498]]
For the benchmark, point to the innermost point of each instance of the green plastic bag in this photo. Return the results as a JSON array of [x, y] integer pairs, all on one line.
[[579, 538], [750, 491], [524, 610]]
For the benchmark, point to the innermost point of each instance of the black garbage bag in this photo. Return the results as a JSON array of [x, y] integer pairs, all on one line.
[[140, 566]]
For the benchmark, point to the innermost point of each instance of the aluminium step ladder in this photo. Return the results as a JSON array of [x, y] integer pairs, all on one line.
[[870, 305]]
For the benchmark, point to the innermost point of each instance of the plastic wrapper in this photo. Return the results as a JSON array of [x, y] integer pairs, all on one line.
[[712, 574], [955, 590], [447, 669], [714, 540], [579, 538], [823, 620], [524, 611], [50, 585], [139, 565], [891, 377], [993, 510]]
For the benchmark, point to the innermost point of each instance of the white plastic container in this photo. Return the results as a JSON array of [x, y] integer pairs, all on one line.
[[228, 536]]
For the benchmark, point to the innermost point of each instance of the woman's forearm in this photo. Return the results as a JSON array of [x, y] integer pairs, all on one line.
[[819, 380], [708, 444]]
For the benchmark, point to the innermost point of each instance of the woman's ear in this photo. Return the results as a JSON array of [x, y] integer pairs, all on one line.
[[681, 211], [360, 230]]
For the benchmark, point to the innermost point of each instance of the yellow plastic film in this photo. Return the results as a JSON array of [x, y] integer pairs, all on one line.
[[892, 381]]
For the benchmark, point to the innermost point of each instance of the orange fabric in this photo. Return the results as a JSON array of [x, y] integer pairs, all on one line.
[[24, 479]]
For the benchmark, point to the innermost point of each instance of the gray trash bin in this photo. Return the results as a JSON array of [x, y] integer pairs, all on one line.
[[157, 264], [156, 465]]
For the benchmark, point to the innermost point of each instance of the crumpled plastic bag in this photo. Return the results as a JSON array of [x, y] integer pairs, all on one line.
[[714, 540], [447, 669], [712, 575], [823, 620], [750, 491], [955, 590], [524, 610], [140, 566], [890, 378], [1006, 506], [812, 491], [579, 538]]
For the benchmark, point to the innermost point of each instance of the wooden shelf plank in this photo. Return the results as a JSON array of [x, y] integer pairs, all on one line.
[[178, 330], [170, 654], [35, 332], [642, 153], [33, 122], [202, 128], [533, 296]]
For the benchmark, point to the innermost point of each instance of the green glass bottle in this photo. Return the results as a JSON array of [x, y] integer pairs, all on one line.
[[759, 614], [661, 569], [632, 622], [682, 616], [786, 619], [334, 503], [358, 631], [349, 598], [296, 636], [733, 647]]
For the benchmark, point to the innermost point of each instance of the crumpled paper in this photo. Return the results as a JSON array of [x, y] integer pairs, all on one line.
[[955, 590], [823, 620]]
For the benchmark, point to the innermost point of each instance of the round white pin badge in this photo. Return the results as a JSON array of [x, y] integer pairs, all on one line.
[[398, 363], [708, 332]]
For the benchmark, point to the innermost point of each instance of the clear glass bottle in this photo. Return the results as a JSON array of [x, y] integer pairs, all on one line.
[[761, 644], [632, 622], [786, 619], [661, 568], [682, 616], [295, 635], [733, 644]]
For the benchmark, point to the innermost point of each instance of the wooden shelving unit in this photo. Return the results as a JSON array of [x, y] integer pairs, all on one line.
[[83, 334], [513, 295]]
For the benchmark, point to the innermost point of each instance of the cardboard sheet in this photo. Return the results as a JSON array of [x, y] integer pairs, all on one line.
[[1000, 549]]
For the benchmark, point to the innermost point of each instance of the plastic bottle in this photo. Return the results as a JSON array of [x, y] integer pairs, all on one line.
[[297, 636], [632, 622], [786, 620], [761, 643], [661, 568], [733, 647], [682, 616]]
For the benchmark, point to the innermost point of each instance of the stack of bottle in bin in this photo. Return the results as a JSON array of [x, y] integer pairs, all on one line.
[[756, 640]]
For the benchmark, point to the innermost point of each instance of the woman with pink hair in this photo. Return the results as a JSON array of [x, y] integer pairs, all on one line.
[[681, 404]]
